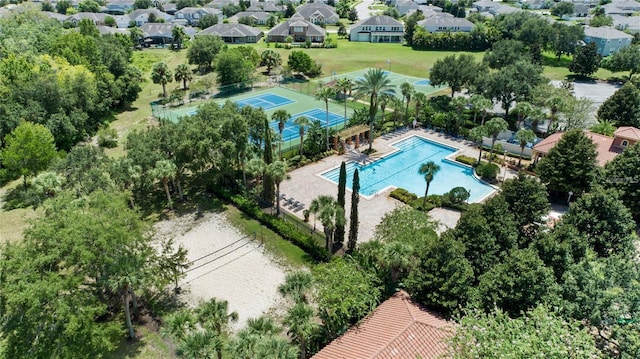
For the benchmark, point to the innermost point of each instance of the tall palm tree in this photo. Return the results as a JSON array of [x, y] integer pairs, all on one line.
[[374, 83], [281, 116], [214, 315], [330, 213], [302, 122], [407, 91], [556, 102], [476, 134], [199, 344], [522, 109], [494, 126], [276, 348], [325, 94], [420, 99], [397, 256], [299, 319], [183, 73], [397, 105], [278, 172], [263, 326], [178, 324], [296, 286], [160, 74], [429, 170], [164, 171], [523, 137], [604, 127], [345, 86], [480, 104]]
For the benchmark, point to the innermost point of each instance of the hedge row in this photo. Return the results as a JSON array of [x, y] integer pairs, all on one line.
[[286, 230], [471, 161]]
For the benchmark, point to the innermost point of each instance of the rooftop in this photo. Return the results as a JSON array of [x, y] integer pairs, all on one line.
[[605, 32], [379, 20], [604, 146], [398, 328], [628, 132]]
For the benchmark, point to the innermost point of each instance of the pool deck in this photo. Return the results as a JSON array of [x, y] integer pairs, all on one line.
[[306, 183]]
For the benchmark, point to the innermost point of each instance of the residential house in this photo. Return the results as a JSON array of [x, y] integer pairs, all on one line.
[[397, 328], [269, 7], [613, 9], [96, 18], [318, 13], [608, 40], [630, 24], [191, 15], [108, 30], [219, 4], [157, 34], [446, 24], [406, 6], [299, 29], [258, 17], [141, 16], [485, 5], [607, 148], [427, 12], [118, 7], [234, 33], [626, 5], [377, 29], [170, 8], [533, 4], [54, 15], [504, 10]]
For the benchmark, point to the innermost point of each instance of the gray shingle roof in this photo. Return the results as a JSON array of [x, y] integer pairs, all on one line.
[[445, 21], [282, 29], [156, 29], [230, 30], [605, 32], [307, 10], [379, 21]]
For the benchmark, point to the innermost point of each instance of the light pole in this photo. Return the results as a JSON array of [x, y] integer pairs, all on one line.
[[569, 199], [389, 63]]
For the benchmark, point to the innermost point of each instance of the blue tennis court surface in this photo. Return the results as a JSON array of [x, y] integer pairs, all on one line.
[[266, 101], [292, 131], [422, 83]]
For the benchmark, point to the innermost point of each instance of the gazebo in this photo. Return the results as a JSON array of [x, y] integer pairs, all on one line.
[[353, 134]]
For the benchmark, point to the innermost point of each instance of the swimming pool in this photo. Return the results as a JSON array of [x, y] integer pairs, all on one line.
[[400, 169]]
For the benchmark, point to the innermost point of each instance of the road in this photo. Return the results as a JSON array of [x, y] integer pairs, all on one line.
[[363, 9]]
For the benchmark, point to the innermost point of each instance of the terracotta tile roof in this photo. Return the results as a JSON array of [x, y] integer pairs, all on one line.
[[628, 132], [397, 329], [604, 146]]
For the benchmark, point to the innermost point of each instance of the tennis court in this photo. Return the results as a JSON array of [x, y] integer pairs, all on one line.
[[419, 84], [292, 131], [267, 101]]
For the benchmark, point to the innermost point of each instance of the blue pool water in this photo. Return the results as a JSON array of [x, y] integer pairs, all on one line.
[[400, 169]]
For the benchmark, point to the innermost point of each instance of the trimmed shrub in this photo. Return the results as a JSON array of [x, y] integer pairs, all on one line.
[[403, 195], [417, 204], [458, 195], [471, 161], [488, 171]]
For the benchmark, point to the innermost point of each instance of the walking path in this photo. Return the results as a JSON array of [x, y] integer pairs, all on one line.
[[306, 184]]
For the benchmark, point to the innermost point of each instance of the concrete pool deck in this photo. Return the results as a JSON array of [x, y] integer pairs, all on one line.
[[306, 183]]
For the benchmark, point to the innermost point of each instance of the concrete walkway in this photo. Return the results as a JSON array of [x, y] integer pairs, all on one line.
[[306, 183]]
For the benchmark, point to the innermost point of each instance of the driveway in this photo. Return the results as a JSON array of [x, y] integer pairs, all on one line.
[[363, 9]]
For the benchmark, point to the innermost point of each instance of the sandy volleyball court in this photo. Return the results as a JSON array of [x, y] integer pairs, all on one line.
[[226, 264]]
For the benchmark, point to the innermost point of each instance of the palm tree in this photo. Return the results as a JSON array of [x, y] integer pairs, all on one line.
[[302, 122], [296, 286], [604, 127], [178, 324], [299, 319], [522, 109], [407, 91], [178, 35], [536, 116], [200, 344], [278, 172], [494, 126], [429, 171], [556, 102], [214, 316], [330, 213], [420, 99], [324, 94], [397, 104], [276, 348], [523, 137], [160, 74], [345, 86], [397, 256], [183, 73], [257, 168], [281, 116], [480, 104], [374, 83], [165, 170], [263, 326], [476, 134]]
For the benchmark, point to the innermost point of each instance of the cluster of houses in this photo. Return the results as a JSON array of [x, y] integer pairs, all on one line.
[[307, 23]]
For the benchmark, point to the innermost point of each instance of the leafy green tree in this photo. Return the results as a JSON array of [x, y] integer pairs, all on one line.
[[504, 53], [625, 59], [207, 21], [302, 122], [623, 174], [512, 83], [564, 38], [268, 183], [277, 170], [600, 20], [539, 332], [272, 21], [442, 277], [203, 50], [604, 222], [623, 107], [47, 6], [342, 189], [353, 217], [63, 5], [562, 8], [534, 284], [457, 72], [270, 59], [374, 85], [300, 61], [183, 73], [232, 68], [344, 294], [527, 200], [353, 15], [88, 6], [571, 165], [160, 74], [29, 149], [142, 4], [179, 36], [480, 104], [325, 94], [299, 320], [429, 170], [281, 116], [410, 24], [494, 126], [586, 60], [524, 137]]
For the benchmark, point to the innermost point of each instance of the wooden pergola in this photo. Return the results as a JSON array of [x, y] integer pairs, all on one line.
[[353, 134]]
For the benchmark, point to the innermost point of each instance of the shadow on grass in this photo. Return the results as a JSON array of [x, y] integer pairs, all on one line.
[[18, 197], [553, 61]]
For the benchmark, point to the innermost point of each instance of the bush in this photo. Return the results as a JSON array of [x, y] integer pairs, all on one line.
[[403, 195], [107, 138], [488, 171], [458, 195], [286, 230], [471, 161], [417, 204]]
